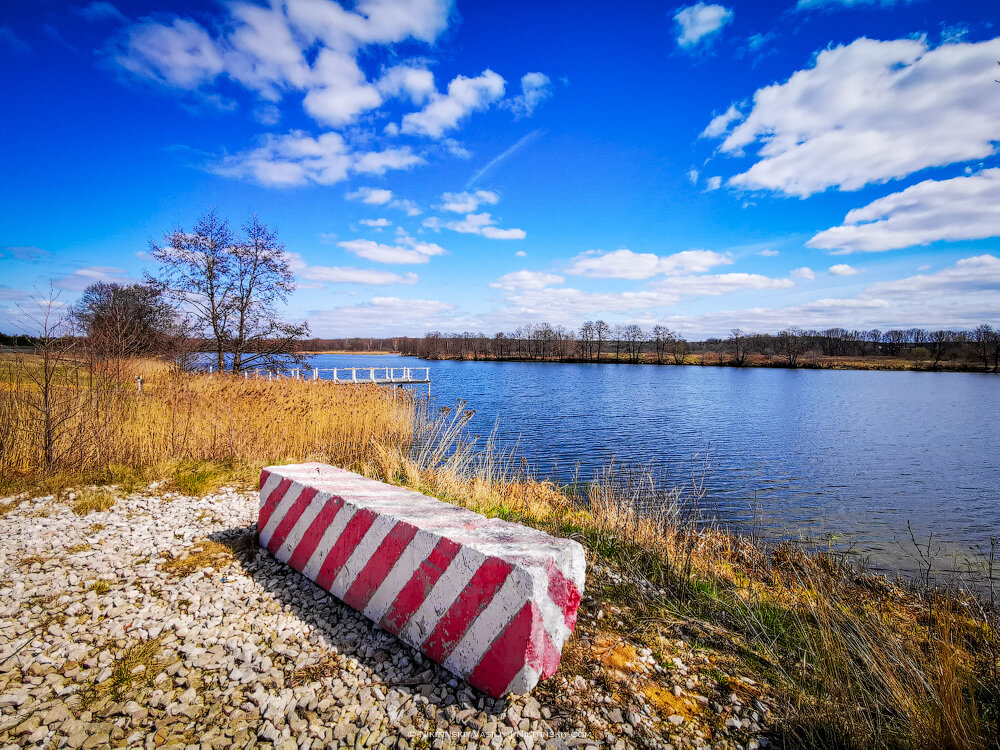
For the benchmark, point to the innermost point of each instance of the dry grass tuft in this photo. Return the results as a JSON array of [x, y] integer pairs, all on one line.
[[205, 554], [92, 501]]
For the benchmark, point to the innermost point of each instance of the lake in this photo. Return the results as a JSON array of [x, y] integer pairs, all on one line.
[[845, 458]]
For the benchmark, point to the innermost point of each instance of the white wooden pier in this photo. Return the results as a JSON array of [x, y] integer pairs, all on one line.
[[351, 375]]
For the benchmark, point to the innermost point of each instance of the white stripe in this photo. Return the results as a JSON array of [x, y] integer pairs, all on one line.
[[490, 624], [279, 513], [369, 543], [330, 537], [287, 548], [418, 550], [272, 481], [442, 595], [523, 681], [553, 618]]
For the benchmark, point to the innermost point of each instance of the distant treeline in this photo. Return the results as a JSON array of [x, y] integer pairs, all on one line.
[[597, 341]]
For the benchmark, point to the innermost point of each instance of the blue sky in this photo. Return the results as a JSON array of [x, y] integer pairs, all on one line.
[[473, 166]]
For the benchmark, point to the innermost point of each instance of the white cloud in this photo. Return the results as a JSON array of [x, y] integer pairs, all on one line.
[[713, 183], [869, 112], [445, 111], [464, 203], [625, 264], [697, 23], [375, 223], [415, 84], [377, 162], [482, 224], [298, 159], [180, 54], [768, 253], [842, 269], [804, 273], [310, 46], [382, 315], [344, 274], [407, 250], [372, 196], [535, 89], [81, 278], [693, 176], [720, 123], [349, 275], [962, 208], [521, 254], [527, 280]]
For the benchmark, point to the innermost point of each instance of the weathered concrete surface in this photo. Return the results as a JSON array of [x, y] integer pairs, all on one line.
[[491, 601]]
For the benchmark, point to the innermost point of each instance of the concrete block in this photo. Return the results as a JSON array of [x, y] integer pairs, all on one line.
[[492, 601]]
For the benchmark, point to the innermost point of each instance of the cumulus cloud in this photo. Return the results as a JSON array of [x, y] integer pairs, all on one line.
[[345, 274], [625, 264], [962, 208], [310, 46], [372, 196], [382, 315], [298, 159], [375, 223], [444, 112], [482, 224], [407, 250], [842, 269], [768, 253], [721, 123], [81, 278], [409, 82], [804, 273], [869, 112], [535, 89], [464, 203], [527, 280], [698, 23]]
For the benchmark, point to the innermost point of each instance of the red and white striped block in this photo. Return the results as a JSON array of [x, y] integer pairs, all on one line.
[[491, 601]]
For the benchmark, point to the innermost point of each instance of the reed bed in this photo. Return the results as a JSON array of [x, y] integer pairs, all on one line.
[[93, 423]]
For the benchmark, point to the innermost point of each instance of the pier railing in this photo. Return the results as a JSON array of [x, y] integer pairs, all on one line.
[[376, 375]]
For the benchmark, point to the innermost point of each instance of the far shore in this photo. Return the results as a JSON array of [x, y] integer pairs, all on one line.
[[714, 359]]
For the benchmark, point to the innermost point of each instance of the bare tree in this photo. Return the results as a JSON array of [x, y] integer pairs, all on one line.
[[662, 338], [601, 332], [122, 320], [261, 280], [791, 346], [738, 346], [987, 344], [231, 288]]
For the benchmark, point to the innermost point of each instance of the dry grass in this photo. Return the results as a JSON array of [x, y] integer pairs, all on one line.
[[193, 428], [92, 501]]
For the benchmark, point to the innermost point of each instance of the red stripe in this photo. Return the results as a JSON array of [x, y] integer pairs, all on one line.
[[565, 594], [271, 503], [313, 535], [550, 656], [291, 518], [349, 538], [478, 593], [264, 474], [421, 582], [378, 567], [506, 654]]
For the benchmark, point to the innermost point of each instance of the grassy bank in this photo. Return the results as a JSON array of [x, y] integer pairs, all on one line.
[[852, 660]]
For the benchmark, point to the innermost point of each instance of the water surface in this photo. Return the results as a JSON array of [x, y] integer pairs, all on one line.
[[845, 457]]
